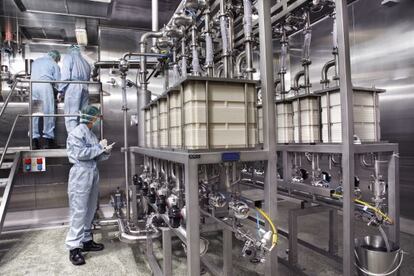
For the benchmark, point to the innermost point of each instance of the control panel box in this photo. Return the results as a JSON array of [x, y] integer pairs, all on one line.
[[34, 164]]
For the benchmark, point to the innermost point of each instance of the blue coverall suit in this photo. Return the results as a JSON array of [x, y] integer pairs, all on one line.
[[74, 68], [84, 151], [44, 68]]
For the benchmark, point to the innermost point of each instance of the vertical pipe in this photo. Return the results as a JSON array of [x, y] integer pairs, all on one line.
[[195, 62], [225, 42], [126, 160], [283, 55], [209, 43], [183, 58], [306, 53], [154, 11], [101, 132], [247, 24], [269, 123], [30, 113], [231, 46], [347, 136]]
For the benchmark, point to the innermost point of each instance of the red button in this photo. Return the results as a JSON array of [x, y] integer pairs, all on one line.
[[27, 161], [39, 161]]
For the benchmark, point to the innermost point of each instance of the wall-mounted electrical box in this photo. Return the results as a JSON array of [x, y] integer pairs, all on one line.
[[35, 164]]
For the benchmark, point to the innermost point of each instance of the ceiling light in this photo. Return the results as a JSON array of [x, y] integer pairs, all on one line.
[[80, 31], [81, 37]]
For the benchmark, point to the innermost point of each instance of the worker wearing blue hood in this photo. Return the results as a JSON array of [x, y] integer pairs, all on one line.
[[84, 151], [44, 69], [74, 68]]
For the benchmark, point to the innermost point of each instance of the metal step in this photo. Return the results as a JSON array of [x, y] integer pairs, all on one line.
[[6, 165], [3, 182]]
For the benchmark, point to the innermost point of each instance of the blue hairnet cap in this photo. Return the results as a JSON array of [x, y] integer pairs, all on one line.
[[74, 48], [54, 54], [89, 113]]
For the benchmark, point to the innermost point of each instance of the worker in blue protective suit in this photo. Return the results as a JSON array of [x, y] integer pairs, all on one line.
[[45, 68], [74, 68], [84, 151]]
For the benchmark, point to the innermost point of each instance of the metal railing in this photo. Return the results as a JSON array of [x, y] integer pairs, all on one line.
[[52, 82], [6, 147], [13, 88], [30, 111]]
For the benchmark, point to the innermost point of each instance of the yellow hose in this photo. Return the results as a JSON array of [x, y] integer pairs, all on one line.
[[376, 210], [272, 226]]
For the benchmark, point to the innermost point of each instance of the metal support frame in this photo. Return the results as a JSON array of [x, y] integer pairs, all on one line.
[[227, 253], [347, 117], [386, 149], [394, 197], [293, 230], [191, 234], [167, 252], [269, 122], [193, 217]]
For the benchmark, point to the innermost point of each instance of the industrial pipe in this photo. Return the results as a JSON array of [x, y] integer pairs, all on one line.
[[124, 68], [324, 72], [209, 43], [195, 64], [296, 79], [154, 11], [239, 61], [247, 27], [125, 236], [306, 53], [282, 63], [182, 20], [224, 39]]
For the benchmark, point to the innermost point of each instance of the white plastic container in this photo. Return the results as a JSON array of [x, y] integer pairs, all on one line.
[[218, 113], [174, 118], [366, 114], [154, 124], [284, 119], [260, 124], [306, 118], [147, 111], [163, 122]]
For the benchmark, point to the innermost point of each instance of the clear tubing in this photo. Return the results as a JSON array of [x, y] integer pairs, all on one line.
[[334, 34], [283, 57], [176, 74], [183, 59], [209, 50], [247, 19], [306, 44], [195, 62], [223, 31]]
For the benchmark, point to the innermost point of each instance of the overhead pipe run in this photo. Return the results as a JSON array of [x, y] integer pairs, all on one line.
[[247, 26], [209, 65], [284, 45], [224, 39], [307, 32], [154, 21], [334, 62]]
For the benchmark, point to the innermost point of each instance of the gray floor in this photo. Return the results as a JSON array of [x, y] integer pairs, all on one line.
[[41, 252]]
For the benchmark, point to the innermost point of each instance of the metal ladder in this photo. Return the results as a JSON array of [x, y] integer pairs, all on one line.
[[8, 168]]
